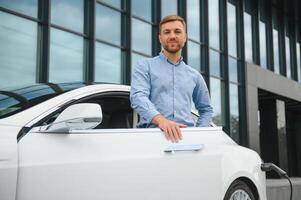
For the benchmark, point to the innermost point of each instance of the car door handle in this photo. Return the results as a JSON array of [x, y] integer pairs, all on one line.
[[184, 147]]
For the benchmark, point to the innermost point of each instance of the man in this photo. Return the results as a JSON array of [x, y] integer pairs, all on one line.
[[163, 87]]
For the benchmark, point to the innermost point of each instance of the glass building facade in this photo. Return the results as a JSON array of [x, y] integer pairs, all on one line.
[[101, 40]]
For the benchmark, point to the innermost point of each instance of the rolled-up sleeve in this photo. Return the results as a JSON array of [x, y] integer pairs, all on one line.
[[140, 91], [202, 103]]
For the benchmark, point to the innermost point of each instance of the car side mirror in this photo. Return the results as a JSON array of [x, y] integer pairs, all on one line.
[[80, 116]]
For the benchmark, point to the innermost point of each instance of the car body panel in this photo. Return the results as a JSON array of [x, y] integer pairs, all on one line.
[[117, 163], [8, 162]]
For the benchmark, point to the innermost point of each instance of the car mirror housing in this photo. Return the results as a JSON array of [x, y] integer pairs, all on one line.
[[80, 116]]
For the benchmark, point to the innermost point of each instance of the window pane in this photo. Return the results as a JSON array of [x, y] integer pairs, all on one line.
[[142, 9], [288, 58], [18, 49], [233, 70], [263, 47], [232, 47], [105, 17], [248, 37], [234, 112], [27, 7], [194, 55], [214, 23], [68, 13], [66, 57], [298, 62], [276, 51], [115, 3], [169, 7], [215, 92], [141, 42], [108, 64], [214, 63], [193, 19]]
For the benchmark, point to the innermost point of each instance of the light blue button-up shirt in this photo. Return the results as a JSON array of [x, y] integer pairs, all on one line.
[[161, 87]]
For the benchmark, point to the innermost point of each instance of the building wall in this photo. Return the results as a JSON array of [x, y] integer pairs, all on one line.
[[101, 40]]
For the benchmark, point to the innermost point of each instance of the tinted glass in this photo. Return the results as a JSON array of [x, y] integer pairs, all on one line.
[[248, 37], [27, 7], [232, 46], [276, 52], [263, 47], [141, 37], [232, 69], [193, 19], [288, 57], [18, 49], [115, 3], [214, 63], [68, 13], [142, 9], [214, 23], [194, 55], [8, 104], [234, 112], [105, 19], [66, 57], [215, 92], [298, 61], [107, 64], [169, 7], [18, 99]]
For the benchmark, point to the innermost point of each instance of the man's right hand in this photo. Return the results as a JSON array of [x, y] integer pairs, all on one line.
[[170, 128]]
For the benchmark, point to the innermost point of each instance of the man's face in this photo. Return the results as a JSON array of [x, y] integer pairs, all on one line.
[[172, 36]]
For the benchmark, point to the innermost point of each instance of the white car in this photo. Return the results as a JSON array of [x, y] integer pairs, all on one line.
[[53, 147]]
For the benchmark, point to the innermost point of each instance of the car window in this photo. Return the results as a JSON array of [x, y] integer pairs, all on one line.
[[116, 111]]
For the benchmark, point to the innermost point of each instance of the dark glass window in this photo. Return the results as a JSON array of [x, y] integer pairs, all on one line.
[[214, 63], [66, 57], [18, 99], [193, 19], [169, 7], [68, 13], [288, 57], [114, 3], [35, 91], [18, 49], [234, 112], [276, 51], [233, 76], [263, 42], [194, 55], [108, 64], [27, 7], [298, 61], [142, 9], [108, 24], [141, 37], [232, 41], [214, 23], [248, 37], [216, 100]]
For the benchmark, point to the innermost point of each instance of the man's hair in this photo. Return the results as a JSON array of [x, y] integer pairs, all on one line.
[[172, 18]]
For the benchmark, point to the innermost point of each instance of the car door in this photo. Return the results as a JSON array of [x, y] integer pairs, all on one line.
[[113, 164]]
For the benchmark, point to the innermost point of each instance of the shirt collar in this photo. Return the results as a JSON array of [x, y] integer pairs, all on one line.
[[162, 56]]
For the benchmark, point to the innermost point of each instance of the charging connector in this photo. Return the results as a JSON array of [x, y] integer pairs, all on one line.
[[282, 174]]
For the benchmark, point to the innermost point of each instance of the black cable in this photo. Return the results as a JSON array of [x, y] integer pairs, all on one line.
[[291, 186], [282, 174]]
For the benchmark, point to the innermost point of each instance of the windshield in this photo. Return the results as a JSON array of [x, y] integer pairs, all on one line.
[[15, 100]]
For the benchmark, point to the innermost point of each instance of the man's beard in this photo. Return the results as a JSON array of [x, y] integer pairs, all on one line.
[[175, 49]]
